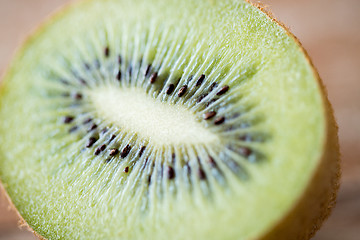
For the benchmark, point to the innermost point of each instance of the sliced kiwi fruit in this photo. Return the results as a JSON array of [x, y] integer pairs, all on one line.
[[167, 119]]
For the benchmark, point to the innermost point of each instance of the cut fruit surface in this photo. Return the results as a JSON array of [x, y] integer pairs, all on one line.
[[166, 119]]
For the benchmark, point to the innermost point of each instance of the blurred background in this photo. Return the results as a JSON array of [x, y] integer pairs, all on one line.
[[330, 32]]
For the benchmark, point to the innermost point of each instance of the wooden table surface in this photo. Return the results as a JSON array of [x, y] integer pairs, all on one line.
[[328, 29]]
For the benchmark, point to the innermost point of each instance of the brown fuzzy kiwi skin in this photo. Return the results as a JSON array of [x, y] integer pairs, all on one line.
[[22, 224], [313, 207]]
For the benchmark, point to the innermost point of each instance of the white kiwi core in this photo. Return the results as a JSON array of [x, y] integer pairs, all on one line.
[[161, 123]]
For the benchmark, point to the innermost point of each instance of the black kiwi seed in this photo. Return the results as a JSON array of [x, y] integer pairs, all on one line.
[[170, 89], [91, 142], [173, 158], [105, 129], [219, 120], [97, 151], [77, 96], [245, 151], [68, 119], [200, 80], [100, 149], [118, 75], [170, 173], [213, 85], [209, 115], [149, 180], [107, 51], [112, 137], [202, 174], [147, 72], [223, 90], [86, 121], [92, 127], [182, 91], [212, 162], [126, 169], [113, 152], [142, 149], [146, 161], [153, 77], [125, 151]]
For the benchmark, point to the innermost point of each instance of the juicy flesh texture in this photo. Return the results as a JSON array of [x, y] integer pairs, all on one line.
[[64, 191]]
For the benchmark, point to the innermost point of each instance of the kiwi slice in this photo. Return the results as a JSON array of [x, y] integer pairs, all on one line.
[[167, 119]]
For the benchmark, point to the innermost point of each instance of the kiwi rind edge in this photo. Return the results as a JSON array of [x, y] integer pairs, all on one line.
[[314, 206], [317, 201]]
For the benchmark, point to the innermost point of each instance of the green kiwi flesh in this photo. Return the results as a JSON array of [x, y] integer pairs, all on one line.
[[161, 120]]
